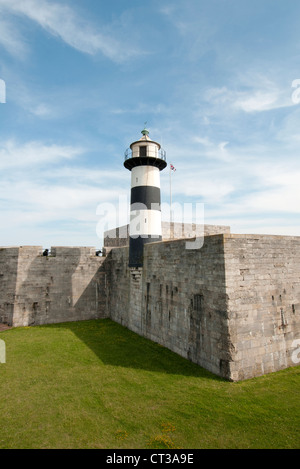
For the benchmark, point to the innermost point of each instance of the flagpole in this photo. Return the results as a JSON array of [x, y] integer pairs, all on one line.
[[171, 217], [170, 196]]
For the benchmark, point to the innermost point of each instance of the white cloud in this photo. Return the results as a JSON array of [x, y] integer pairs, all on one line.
[[11, 39], [285, 199], [15, 155], [213, 150], [32, 196], [204, 141], [63, 22], [68, 194], [212, 191], [258, 101], [41, 110], [252, 187], [262, 96]]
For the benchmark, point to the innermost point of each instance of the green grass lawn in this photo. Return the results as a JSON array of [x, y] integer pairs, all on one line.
[[95, 384]]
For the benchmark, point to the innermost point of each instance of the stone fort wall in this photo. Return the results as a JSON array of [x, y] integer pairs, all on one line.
[[232, 306], [119, 237], [68, 285], [263, 302], [178, 299]]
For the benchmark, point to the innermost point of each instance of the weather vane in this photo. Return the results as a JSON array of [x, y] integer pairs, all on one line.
[[145, 131]]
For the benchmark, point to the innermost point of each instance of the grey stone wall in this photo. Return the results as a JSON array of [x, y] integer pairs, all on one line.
[[119, 237], [8, 279], [190, 230], [232, 306], [178, 299], [69, 285], [263, 288], [118, 286], [185, 301]]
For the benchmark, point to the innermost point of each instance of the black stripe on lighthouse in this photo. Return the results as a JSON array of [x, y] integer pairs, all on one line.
[[136, 249], [145, 209], [147, 196]]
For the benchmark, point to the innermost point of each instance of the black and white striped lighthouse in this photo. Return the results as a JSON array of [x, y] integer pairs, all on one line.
[[145, 159]]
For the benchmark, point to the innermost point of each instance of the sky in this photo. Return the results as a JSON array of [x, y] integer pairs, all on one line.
[[217, 83]]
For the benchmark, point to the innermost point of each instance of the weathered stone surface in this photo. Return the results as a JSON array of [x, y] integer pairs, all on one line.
[[232, 306], [119, 237], [179, 300], [69, 285], [263, 302]]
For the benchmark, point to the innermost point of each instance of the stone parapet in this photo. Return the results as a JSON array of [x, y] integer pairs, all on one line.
[[232, 305]]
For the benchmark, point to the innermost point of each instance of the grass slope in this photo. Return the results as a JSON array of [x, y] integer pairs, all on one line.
[[95, 384]]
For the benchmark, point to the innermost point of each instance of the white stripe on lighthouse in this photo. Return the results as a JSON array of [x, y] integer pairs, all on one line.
[[145, 176], [145, 222]]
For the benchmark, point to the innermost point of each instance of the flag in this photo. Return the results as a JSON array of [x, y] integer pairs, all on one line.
[[172, 167]]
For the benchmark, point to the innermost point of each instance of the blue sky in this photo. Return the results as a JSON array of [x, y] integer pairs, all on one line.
[[213, 79]]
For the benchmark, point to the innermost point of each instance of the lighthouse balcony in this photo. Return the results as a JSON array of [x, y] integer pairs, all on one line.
[[145, 156]]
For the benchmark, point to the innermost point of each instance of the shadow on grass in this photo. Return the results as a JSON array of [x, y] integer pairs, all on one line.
[[116, 345]]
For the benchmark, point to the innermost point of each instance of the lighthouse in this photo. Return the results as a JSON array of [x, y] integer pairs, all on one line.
[[145, 159]]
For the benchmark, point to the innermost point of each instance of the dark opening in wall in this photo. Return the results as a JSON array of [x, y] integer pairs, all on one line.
[[147, 297], [148, 308], [143, 151], [148, 289], [198, 303]]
